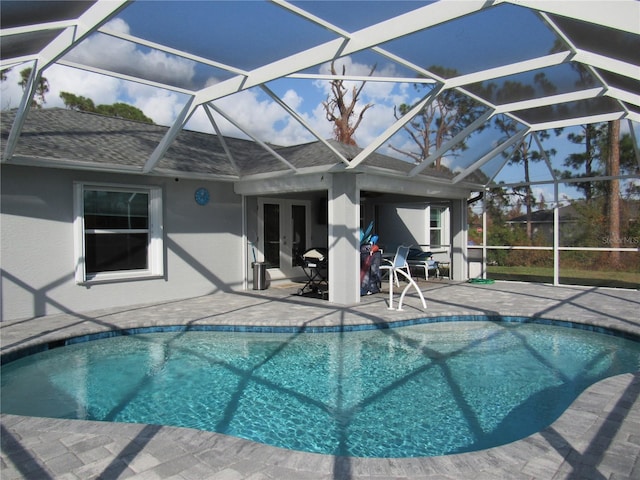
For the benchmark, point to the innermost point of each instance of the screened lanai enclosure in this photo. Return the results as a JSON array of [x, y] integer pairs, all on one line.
[[525, 114]]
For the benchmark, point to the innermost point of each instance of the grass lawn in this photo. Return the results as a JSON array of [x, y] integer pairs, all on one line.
[[568, 276]]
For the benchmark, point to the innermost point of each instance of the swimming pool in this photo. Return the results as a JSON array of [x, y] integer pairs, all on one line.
[[420, 390]]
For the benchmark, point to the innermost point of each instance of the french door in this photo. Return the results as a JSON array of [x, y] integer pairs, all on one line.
[[286, 234]]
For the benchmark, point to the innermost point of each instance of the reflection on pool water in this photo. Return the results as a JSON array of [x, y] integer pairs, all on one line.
[[420, 390]]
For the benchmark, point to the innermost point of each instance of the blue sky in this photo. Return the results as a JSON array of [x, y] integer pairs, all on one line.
[[218, 29]]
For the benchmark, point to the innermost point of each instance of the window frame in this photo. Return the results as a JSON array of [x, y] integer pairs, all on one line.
[[155, 252], [443, 228]]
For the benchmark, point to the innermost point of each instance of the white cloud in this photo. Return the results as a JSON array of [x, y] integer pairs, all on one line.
[[161, 106], [349, 67], [260, 117], [256, 112], [292, 99], [544, 191], [119, 26], [373, 91], [125, 57], [99, 88], [318, 121], [10, 92], [256, 115]]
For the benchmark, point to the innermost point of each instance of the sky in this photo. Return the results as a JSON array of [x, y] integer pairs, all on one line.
[[253, 109]]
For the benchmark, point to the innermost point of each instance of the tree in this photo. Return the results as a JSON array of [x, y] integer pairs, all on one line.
[[542, 203], [77, 102], [625, 157], [123, 110], [499, 210], [613, 190], [524, 154], [591, 138], [340, 112], [629, 165], [604, 217], [118, 109], [41, 89], [437, 122]]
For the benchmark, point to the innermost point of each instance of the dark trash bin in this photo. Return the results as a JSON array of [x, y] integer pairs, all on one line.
[[259, 275]]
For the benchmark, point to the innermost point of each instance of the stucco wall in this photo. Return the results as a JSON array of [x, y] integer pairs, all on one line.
[[202, 244], [402, 225]]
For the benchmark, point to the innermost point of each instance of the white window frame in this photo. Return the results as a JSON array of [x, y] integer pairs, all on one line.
[[154, 247], [444, 225]]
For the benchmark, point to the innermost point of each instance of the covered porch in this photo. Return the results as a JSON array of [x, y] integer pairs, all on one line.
[[346, 211]]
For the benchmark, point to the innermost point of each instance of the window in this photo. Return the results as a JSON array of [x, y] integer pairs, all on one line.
[[118, 232], [438, 227]]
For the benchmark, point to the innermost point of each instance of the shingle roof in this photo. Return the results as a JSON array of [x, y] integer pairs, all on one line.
[[567, 214], [87, 140], [70, 137]]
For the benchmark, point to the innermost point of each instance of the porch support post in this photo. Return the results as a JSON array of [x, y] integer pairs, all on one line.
[[344, 239], [459, 230]]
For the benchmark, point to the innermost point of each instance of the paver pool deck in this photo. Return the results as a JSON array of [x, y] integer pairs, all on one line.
[[598, 436]]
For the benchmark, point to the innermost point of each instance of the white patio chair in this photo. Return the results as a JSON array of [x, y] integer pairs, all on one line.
[[399, 262], [400, 266]]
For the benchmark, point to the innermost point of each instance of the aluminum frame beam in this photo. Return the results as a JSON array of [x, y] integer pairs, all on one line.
[[395, 127], [625, 17], [264, 145], [489, 156], [304, 123], [451, 143], [365, 38], [75, 32]]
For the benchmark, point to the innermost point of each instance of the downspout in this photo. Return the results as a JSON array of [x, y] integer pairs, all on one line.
[[473, 200]]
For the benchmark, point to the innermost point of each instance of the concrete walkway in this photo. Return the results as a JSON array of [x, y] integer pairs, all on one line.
[[598, 437]]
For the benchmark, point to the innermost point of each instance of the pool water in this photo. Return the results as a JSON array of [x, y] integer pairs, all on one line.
[[421, 390]]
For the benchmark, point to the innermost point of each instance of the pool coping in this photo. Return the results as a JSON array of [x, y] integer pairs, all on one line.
[[17, 353], [597, 433]]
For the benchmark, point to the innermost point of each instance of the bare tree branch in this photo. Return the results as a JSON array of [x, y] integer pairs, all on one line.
[[340, 112]]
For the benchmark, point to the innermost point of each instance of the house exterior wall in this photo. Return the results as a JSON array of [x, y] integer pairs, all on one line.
[[459, 269], [202, 244], [402, 225]]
